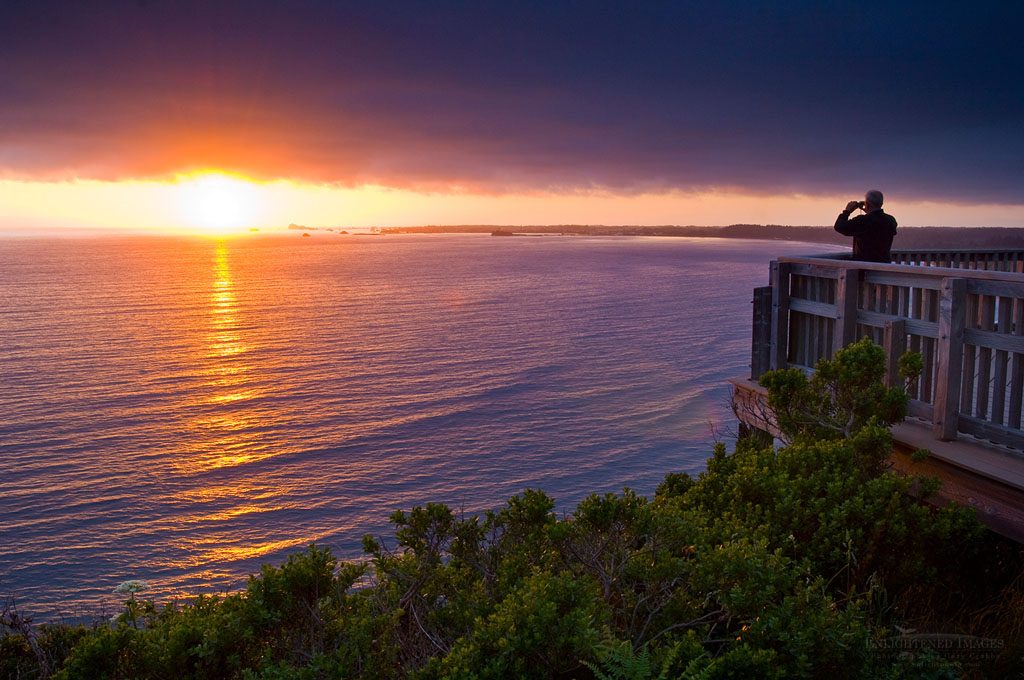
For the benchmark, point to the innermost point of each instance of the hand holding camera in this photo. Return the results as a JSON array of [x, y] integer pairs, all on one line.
[[854, 205]]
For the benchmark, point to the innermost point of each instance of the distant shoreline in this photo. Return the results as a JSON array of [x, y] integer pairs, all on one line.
[[907, 237]]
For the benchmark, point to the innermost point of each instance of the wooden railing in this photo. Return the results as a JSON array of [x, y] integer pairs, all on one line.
[[963, 311], [987, 260]]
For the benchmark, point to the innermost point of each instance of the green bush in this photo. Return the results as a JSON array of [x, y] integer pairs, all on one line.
[[843, 395]]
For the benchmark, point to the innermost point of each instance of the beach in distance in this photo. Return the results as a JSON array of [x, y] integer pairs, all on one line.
[[183, 410]]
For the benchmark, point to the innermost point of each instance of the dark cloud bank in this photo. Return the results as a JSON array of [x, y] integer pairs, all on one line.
[[923, 99]]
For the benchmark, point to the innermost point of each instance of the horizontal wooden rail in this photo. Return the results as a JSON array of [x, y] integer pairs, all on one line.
[[966, 322], [984, 259], [932, 272]]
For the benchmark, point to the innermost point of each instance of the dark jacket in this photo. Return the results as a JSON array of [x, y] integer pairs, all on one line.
[[872, 234]]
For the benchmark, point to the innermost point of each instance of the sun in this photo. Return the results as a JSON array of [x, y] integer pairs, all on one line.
[[218, 203]]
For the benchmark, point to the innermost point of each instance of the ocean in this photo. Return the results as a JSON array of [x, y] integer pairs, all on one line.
[[183, 410]]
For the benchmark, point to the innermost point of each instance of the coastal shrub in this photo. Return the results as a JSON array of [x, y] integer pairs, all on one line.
[[28, 651], [541, 629], [797, 561], [814, 503], [293, 615], [843, 395]]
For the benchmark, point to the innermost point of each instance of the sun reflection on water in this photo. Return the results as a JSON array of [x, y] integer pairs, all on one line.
[[227, 425], [225, 415], [225, 340], [212, 550]]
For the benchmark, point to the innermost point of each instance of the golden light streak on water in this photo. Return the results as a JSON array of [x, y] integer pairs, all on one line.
[[212, 492], [232, 512], [225, 338], [213, 551], [225, 426], [227, 439]]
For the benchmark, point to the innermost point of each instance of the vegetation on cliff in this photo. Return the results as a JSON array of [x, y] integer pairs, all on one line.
[[806, 560]]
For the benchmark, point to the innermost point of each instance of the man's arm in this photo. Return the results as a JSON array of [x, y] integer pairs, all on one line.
[[848, 227]]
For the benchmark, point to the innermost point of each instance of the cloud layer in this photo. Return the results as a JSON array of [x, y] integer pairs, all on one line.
[[922, 100]]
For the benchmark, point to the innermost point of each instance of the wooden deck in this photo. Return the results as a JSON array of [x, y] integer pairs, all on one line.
[[963, 311]]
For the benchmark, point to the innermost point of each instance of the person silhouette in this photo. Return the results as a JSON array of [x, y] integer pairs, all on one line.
[[872, 232]]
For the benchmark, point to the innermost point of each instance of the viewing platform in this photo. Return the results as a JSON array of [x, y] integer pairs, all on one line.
[[963, 311]]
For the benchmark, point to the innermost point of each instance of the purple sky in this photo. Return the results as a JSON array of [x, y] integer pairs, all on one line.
[[923, 99]]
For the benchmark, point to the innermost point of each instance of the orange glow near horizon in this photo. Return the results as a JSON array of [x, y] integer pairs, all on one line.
[[221, 204]]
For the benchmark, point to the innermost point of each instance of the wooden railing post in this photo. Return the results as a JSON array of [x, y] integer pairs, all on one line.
[[949, 371], [895, 344], [779, 356], [847, 290], [761, 344]]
